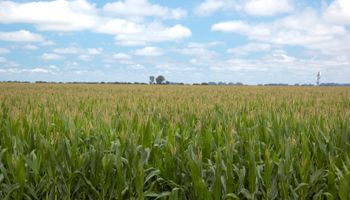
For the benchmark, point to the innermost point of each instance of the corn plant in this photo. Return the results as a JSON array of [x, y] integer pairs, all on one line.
[[61, 141]]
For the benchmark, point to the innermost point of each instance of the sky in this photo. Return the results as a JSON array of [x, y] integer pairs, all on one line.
[[249, 41]]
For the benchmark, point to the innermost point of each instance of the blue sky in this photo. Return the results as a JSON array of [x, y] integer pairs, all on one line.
[[249, 41]]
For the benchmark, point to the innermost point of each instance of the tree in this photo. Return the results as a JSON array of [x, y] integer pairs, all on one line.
[[151, 80], [160, 79]]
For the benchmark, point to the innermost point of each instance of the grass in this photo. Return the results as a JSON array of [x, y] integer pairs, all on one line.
[[174, 142]]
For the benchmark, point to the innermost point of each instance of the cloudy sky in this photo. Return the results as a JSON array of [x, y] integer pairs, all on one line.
[[250, 41]]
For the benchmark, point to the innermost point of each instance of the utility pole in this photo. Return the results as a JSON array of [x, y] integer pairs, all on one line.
[[318, 78]]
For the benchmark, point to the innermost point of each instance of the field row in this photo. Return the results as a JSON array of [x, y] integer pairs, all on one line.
[[174, 142]]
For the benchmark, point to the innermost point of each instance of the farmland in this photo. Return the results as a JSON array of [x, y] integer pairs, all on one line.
[[174, 142]]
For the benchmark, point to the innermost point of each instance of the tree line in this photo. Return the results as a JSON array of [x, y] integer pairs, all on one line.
[[161, 80]]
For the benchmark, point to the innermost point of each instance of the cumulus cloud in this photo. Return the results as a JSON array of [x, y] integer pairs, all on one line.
[[338, 12], [232, 26], [76, 50], [149, 51], [47, 43], [119, 26], [20, 36], [133, 33], [94, 51], [306, 29], [5, 63], [43, 70], [142, 8], [208, 7], [250, 7], [250, 47], [278, 62], [117, 18], [200, 50], [154, 33], [67, 50], [59, 15], [268, 7], [121, 56], [51, 56], [83, 54], [279, 56], [30, 47], [85, 57]]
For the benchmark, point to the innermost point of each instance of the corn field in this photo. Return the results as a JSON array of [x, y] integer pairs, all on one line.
[[60, 141]]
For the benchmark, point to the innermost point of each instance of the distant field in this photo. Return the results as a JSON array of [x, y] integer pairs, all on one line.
[[174, 142]]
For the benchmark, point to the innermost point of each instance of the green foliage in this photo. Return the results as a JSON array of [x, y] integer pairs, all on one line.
[[171, 142]]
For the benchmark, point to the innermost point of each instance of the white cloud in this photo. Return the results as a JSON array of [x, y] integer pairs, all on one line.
[[209, 7], [72, 64], [7, 63], [305, 29], [231, 26], [85, 57], [30, 70], [268, 7], [47, 43], [67, 50], [119, 26], [250, 47], [132, 33], [280, 56], [171, 67], [121, 56], [10, 71], [142, 8], [200, 53], [338, 12], [30, 47], [149, 51], [84, 54], [279, 62], [199, 50], [154, 33], [51, 56], [20, 36], [94, 51], [80, 15], [41, 70], [77, 50], [251, 7], [59, 15], [4, 50], [238, 65], [241, 28], [52, 67]]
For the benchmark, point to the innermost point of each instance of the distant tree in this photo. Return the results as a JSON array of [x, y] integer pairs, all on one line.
[[160, 79], [151, 80]]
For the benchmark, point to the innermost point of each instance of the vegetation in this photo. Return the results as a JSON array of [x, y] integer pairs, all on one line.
[[170, 142], [151, 80], [160, 79]]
